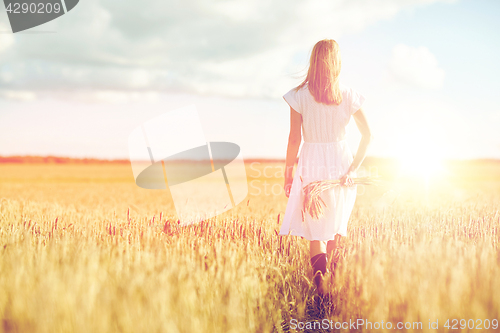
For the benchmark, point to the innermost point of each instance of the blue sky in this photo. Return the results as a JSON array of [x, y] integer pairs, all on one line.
[[462, 36], [427, 68]]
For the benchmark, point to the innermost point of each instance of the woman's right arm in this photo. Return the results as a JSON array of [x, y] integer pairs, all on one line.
[[294, 140], [366, 137]]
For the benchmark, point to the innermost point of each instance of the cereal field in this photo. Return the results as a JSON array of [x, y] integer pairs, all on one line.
[[83, 249]]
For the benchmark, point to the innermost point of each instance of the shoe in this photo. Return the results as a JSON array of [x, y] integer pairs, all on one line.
[[318, 278], [323, 283]]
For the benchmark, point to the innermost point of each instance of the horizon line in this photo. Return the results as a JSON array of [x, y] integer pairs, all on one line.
[[58, 159]]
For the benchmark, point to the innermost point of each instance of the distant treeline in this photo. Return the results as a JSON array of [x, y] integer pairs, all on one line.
[[71, 160], [58, 160], [370, 160]]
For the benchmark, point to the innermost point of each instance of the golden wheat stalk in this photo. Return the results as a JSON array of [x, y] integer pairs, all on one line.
[[314, 204]]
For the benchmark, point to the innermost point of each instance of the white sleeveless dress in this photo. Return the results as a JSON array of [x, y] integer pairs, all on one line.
[[323, 155]]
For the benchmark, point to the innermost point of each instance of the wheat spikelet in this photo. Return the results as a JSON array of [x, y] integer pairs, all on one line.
[[314, 204]]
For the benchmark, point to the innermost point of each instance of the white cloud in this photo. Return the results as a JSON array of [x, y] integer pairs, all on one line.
[[6, 39], [225, 47], [416, 66], [20, 95]]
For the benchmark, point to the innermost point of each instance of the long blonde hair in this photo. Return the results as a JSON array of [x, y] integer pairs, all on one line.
[[323, 74]]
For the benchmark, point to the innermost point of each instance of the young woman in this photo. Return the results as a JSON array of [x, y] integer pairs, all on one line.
[[322, 107]]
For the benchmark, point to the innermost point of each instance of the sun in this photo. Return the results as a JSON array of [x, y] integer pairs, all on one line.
[[420, 158]]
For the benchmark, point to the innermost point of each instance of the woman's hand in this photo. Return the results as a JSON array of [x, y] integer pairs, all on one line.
[[346, 180], [288, 186]]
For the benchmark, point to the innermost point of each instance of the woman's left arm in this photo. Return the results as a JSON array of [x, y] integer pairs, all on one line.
[[294, 140], [366, 137]]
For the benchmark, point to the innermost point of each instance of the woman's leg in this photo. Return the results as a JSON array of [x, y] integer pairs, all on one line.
[[331, 247], [333, 244], [317, 247], [319, 260]]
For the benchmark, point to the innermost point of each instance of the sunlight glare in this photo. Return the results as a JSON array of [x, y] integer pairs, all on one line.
[[420, 158]]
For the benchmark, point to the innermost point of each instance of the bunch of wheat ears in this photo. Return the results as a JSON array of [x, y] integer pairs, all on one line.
[[314, 204]]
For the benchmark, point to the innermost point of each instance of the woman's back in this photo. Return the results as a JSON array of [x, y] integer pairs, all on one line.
[[321, 122]]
